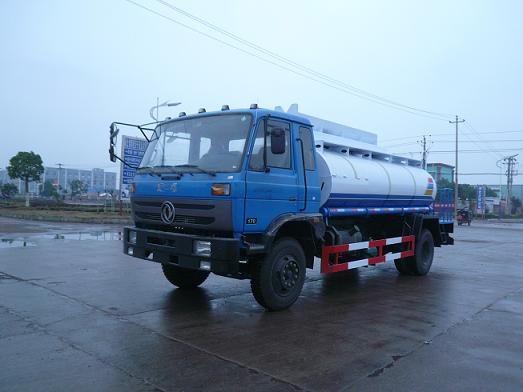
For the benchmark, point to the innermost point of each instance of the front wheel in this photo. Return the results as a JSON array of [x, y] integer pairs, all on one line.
[[184, 278], [278, 278]]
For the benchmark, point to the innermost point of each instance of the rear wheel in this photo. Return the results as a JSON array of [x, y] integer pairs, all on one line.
[[421, 262], [278, 278], [402, 267], [184, 278]]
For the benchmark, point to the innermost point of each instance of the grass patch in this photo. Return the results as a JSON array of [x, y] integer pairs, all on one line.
[[64, 212]]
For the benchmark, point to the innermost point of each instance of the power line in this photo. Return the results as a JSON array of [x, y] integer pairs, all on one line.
[[452, 141], [483, 141], [464, 151], [485, 150], [497, 155], [479, 174], [447, 134], [305, 71], [291, 62]]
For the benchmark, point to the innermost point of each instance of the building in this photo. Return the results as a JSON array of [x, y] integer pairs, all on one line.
[[441, 171], [110, 181], [97, 180], [52, 174], [4, 179], [501, 191]]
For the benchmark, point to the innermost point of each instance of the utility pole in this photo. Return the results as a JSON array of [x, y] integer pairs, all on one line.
[[59, 174], [423, 143], [457, 121], [511, 163]]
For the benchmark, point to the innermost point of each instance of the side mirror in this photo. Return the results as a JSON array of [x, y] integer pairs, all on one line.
[[113, 132], [278, 141], [112, 157]]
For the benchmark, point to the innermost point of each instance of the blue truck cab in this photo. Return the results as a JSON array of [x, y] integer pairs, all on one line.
[[237, 193]]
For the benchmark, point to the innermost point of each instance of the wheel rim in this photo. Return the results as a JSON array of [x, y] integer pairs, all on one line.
[[286, 275]]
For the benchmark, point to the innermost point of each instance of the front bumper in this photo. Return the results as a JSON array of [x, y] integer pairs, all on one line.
[[178, 249]]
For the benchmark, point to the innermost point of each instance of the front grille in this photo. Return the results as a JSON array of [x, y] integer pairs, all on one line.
[[180, 219], [148, 215], [183, 206], [207, 216], [194, 220]]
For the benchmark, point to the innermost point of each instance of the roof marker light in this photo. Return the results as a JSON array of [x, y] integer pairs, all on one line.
[[182, 114], [225, 107], [254, 106], [201, 110]]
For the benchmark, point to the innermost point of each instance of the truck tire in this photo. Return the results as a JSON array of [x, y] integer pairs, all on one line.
[[184, 278], [278, 278], [402, 266], [420, 263]]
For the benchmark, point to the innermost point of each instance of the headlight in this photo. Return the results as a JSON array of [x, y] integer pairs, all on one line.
[[202, 248], [132, 237], [221, 189]]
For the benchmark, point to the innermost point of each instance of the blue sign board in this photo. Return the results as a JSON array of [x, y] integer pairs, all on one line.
[[133, 149], [481, 197]]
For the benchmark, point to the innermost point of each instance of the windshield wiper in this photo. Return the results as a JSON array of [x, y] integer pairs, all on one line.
[[189, 166], [164, 169], [147, 170]]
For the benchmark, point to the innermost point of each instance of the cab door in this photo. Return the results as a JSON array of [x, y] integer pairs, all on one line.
[[271, 182]]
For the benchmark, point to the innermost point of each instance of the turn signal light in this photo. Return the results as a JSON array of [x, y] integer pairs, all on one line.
[[221, 189]]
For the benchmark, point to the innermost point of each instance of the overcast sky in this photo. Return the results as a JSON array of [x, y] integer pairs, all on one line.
[[69, 68]]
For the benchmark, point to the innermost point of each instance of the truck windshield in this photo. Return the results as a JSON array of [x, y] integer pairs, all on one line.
[[202, 144]]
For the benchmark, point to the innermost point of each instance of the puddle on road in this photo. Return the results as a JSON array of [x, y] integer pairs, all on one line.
[[15, 243], [78, 236]]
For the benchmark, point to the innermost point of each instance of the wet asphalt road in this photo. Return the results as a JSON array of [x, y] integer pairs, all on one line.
[[76, 314]]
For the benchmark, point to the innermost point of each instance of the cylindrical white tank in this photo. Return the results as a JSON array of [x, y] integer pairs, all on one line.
[[350, 181]]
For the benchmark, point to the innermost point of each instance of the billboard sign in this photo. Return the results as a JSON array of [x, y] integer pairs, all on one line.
[[481, 190], [133, 149]]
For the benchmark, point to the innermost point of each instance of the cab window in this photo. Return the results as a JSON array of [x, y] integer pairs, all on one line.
[[308, 147], [282, 161]]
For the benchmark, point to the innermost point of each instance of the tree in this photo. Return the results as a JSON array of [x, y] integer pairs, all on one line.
[[48, 190], [467, 192], [78, 187], [26, 166], [8, 190], [489, 192]]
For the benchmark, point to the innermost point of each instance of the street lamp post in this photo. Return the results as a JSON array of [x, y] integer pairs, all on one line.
[[160, 105]]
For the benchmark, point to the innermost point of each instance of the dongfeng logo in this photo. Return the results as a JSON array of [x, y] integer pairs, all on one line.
[[168, 212]]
